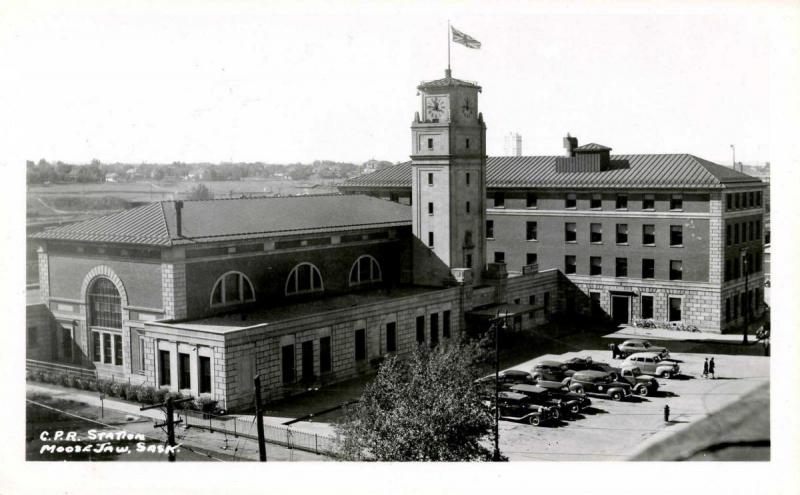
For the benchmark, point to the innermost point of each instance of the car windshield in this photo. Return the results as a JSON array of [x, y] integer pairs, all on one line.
[[636, 372]]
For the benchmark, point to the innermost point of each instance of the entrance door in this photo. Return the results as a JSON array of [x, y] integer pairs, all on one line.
[[308, 360], [620, 306]]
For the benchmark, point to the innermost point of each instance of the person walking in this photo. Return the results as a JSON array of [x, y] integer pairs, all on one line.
[[705, 368], [666, 413], [711, 368]]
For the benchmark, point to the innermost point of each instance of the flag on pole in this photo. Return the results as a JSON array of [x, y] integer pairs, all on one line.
[[465, 39]]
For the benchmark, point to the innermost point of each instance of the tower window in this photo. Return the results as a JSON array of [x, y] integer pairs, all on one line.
[[622, 267], [430, 208], [467, 206], [675, 270], [570, 232], [467, 143], [570, 264], [430, 179], [490, 229], [467, 177], [430, 143], [430, 239], [676, 235], [530, 231], [595, 265]]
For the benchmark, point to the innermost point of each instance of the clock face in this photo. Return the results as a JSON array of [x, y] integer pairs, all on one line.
[[437, 108], [468, 108]]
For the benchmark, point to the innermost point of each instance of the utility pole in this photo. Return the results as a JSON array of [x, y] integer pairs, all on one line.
[[262, 442], [170, 422]]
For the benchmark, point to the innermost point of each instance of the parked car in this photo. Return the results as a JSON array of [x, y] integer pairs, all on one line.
[[653, 364], [518, 407], [637, 345], [558, 389], [549, 370], [511, 377], [598, 383], [642, 384], [587, 363], [558, 406]]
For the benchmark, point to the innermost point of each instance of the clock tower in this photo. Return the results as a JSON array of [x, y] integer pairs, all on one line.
[[448, 163]]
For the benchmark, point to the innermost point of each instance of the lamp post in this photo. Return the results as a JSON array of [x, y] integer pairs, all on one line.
[[496, 325], [746, 269]]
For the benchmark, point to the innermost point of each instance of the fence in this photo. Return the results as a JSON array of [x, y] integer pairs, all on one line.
[[33, 365], [278, 435]]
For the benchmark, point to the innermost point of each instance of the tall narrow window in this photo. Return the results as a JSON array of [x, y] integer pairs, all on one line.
[[596, 232], [490, 229], [675, 308], [467, 178], [96, 347], [729, 201], [307, 360], [595, 265], [434, 329], [467, 206], [622, 201], [571, 201], [304, 278], [324, 354], [596, 202], [758, 198], [676, 235], [622, 267], [728, 308], [570, 264], [727, 270], [622, 233], [204, 363], [736, 234], [430, 208], [728, 235], [530, 231], [647, 306], [499, 200], [107, 348], [164, 367], [420, 329], [184, 371], [287, 364], [361, 344], [430, 143], [649, 235], [648, 268], [430, 239], [391, 337], [446, 324], [466, 143], [430, 174], [649, 202], [531, 200], [676, 202], [118, 350], [675, 270], [570, 232], [751, 199]]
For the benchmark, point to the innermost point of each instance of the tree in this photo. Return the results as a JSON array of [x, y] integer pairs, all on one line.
[[200, 191], [425, 408]]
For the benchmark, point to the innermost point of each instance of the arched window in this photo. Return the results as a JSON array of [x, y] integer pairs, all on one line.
[[105, 306], [232, 288], [365, 270], [304, 278]]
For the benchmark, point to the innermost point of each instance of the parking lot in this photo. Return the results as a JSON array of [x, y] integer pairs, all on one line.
[[618, 430]]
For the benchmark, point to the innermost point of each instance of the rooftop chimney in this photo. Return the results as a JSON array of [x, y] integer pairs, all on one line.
[[570, 143], [178, 208]]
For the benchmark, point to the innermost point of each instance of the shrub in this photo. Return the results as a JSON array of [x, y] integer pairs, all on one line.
[[81, 384], [91, 385], [115, 389], [104, 386], [206, 404], [128, 391], [146, 395], [160, 395]]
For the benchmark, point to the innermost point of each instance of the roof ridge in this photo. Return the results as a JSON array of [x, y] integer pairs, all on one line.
[[250, 197]]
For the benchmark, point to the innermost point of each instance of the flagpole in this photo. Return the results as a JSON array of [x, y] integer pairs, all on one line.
[[448, 46]]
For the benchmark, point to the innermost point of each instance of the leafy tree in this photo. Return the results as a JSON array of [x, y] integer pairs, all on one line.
[[200, 191], [424, 408]]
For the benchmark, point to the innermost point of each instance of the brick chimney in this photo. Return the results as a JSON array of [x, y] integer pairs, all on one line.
[[178, 208], [570, 143]]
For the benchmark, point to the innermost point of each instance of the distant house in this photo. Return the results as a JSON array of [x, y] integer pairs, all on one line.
[[112, 177]]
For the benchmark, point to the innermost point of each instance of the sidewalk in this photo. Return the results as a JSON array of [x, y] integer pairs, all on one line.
[[630, 332]]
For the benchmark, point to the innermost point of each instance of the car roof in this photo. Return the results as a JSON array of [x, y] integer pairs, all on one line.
[[528, 388], [549, 363], [515, 372], [592, 373], [550, 384], [512, 395], [643, 354], [634, 341]]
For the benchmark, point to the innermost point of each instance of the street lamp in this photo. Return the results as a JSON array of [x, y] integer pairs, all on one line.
[[746, 270], [496, 326]]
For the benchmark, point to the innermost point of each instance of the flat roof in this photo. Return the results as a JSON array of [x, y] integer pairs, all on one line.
[[256, 317]]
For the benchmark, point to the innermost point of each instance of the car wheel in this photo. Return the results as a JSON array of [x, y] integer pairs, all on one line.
[[666, 374], [643, 390], [616, 396], [534, 420], [579, 390], [575, 409], [556, 414]]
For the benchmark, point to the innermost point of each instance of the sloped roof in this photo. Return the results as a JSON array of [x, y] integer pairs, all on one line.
[[155, 224], [664, 171], [592, 147], [447, 81]]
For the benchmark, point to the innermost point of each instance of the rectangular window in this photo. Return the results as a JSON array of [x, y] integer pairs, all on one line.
[[735, 307], [596, 232], [622, 201], [752, 231], [141, 355], [736, 234], [499, 257], [622, 267], [66, 343], [430, 179], [530, 231], [596, 202], [164, 367], [420, 329], [467, 178], [570, 232], [649, 235], [647, 307], [676, 202], [287, 364], [107, 348], [676, 235], [307, 360], [391, 337], [758, 198], [728, 235], [675, 270], [469, 260], [531, 258], [570, 264], [184, 371], [648, 268], [758, 230], [434, 329], [118, 350], [728, 309], [531, 200], [758, 265], [430, 208], [751, 199], [547, 302], [324, 354], [757, 302], [595, 265], [430, 143], [96, 347], [736, 200], [649, 202], [361, 344], [446, 324], [499, 200], [490, 229], [571, 201], [727, 270], [729, 201], [622, 233], [736, 267], [467, 206], [204, 363], [675, 308], [430, 239], [595, 304], [466, 142]]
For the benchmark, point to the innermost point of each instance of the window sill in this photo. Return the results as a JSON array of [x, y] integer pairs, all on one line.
[[648, 209], [570, 242], [596, 243], [676, 245], [532, 207], [570, 207], [622, 243], [648, 245], [621, 209], [490, 238], [532, 240]]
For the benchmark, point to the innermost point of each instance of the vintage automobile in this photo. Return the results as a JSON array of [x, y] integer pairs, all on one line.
[[652, 363], [587, 363], [506, 379], [518, 407], [642, 384], [637, 345], [549, 370], [558, 389], [598, 383], [560, 406]]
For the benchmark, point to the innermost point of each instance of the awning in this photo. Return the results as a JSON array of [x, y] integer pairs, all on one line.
[[502, 310]]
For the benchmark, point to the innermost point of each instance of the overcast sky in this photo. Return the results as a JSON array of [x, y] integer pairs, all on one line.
[[246, 81]]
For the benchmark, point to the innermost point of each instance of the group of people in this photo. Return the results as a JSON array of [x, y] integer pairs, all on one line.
[[708, 368]]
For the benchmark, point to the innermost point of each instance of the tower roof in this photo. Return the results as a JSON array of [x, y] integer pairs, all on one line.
[[448, 81]]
